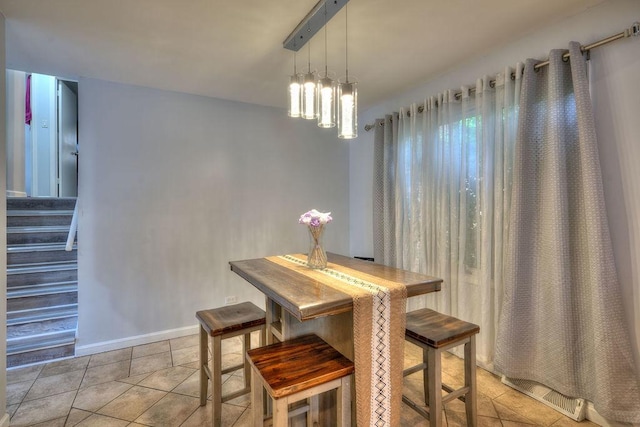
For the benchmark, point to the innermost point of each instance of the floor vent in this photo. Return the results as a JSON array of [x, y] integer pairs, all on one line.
[[574, 408]]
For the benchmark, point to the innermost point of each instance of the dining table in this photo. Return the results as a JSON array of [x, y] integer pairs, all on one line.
[[356, 306]]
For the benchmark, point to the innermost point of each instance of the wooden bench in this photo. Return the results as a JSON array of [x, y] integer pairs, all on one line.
[[295, 370], [434, 333], [220, 324]]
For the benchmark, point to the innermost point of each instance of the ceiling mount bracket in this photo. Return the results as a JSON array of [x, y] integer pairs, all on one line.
[[312, 23]]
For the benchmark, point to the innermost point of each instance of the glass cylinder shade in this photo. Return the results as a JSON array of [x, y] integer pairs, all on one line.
[[347, 110], [326, 103], [295, 96], [309, 94]]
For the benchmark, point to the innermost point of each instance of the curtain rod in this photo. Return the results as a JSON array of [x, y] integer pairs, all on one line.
[[634, 30]]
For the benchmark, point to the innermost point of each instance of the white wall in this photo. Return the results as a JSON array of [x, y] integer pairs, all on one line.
[[15, 133], [4, 417], [616, 94], [174, 186], [44, 135]]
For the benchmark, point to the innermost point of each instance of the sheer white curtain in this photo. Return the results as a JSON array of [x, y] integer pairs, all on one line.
[[563, 322], [442, 193]]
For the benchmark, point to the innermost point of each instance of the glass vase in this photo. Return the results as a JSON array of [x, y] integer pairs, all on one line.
[[317, 257]]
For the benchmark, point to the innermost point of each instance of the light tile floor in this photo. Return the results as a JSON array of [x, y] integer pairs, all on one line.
[[157, 385]]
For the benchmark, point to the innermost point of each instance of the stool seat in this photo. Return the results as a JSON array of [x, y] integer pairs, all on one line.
[[298, 369], [230, 318], [218, 324], [436, 329], [436, 332]]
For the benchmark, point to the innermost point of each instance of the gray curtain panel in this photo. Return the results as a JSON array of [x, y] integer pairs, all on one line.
[[563, 322], [384, 238]]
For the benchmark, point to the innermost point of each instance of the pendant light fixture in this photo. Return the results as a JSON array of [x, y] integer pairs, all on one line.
[[326, 89], [295, 92], [347, 96], [318, 95], [309, 93]]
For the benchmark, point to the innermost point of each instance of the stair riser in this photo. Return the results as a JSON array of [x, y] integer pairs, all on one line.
[[57, 325], [36, 257], [41, 301], [32, 238], [31, 316], [26, 279], [38, 220], [40, 355], [44, 289], [40, 203]]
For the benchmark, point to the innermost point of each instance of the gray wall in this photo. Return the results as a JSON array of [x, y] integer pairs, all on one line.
[[174, 186]]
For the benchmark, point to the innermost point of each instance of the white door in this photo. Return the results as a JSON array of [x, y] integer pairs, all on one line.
[[67, 141]]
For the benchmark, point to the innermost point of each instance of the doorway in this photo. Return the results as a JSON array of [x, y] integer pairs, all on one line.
[[42, 135], [67, 138]]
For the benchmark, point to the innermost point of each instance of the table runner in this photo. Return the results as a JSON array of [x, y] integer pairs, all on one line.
[[378, 307]]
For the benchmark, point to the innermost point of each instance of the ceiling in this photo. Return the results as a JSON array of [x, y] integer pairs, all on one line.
[[233, 49]]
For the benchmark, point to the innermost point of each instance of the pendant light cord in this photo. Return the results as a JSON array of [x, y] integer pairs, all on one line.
[[346, 40], [326, 69]]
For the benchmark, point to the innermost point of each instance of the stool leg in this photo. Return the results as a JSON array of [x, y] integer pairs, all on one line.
[[265, 333], [313, 415], [435, 387], [257, 393], [204, 360], [425, 374], [281, 412], [247, 368], [344, 402], [216, 382], [470, 400]]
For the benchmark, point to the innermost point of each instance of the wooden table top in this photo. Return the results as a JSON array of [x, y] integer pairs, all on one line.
[[307, 298]]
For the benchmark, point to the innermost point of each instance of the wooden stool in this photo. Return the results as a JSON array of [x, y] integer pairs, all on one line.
[[295, 370], [435, 332], [222, 323]]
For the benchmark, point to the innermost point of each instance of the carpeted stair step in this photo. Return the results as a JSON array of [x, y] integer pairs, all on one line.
[[38, 348], [21, 317], [41, 203], [28, 218], [37, 235], [41, 301], [23, 255], [39, 274], [41, 289], [60, 324], [41, 296]]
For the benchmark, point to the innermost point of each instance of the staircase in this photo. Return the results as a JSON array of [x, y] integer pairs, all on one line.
[[42, 280]]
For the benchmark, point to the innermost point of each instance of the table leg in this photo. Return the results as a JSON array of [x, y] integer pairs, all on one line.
[[273, 318]]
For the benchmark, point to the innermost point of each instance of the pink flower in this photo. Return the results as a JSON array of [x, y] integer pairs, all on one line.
[[313, 218]]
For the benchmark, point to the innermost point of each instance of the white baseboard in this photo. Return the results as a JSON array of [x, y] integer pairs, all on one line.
[[11, 193], [4, 421], [85, 350], [595, 417]]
